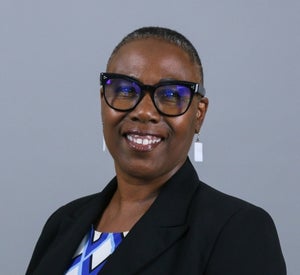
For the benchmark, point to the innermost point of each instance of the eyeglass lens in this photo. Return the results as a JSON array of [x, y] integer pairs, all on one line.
[[123, 95]]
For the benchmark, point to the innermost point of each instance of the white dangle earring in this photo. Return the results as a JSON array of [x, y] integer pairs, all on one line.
[[103, 140], [103, 144], [198, 149]]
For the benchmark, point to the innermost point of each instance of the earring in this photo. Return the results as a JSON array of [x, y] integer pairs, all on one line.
[[198, 149], [103, 144]]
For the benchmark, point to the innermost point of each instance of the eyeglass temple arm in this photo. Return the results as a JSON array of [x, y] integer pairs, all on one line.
[[200, 89]]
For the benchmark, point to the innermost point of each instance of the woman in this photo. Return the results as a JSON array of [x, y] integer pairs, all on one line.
[[156, 216]]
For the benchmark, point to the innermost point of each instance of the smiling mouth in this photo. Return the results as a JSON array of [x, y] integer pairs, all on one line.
[[143, 143]]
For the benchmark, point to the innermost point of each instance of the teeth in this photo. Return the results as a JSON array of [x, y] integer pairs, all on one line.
[[144, 140]]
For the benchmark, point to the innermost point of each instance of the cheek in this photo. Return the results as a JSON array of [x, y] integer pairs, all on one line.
[[112, 122], [184, 129], [107, 113], [109, 118]]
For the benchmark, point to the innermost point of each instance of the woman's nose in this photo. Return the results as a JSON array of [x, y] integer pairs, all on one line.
[[145, 111]]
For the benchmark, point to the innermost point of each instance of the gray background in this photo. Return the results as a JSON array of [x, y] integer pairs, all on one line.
[[51, 53]]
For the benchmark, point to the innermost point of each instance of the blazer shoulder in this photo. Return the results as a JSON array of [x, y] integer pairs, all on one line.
[[231, 211], [70, 208], [213, 199], [220, 211], [52, 227], [243, 236]]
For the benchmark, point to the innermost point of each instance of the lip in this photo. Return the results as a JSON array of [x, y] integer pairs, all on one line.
[[142, 141]]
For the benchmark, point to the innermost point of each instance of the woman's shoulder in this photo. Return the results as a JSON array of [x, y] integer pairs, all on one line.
[[210, 202], [236, 231], [69, 209], [222, 207], [79, 205], [208, 194]]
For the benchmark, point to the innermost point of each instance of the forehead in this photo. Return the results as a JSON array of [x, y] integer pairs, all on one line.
[[154, 57]]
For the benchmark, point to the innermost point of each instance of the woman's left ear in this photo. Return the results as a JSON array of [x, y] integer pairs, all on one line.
[[201, 112]]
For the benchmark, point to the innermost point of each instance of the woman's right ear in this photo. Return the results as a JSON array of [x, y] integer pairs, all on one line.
[[201, 112]]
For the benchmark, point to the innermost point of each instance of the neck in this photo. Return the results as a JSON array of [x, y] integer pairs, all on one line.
[[137, 192], [129, 203], [134, 187]]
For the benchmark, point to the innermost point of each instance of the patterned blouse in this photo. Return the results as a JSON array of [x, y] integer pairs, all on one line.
[[93, 251]]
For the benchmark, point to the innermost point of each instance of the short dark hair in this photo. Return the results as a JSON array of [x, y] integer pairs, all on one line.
[[165, 34]]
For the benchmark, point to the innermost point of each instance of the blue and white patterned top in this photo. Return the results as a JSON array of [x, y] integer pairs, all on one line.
[[93, 251]]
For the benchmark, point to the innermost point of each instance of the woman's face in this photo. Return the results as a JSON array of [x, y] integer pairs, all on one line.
[[143, 143]]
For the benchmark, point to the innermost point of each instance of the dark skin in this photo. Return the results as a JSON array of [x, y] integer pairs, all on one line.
[[141, 173]]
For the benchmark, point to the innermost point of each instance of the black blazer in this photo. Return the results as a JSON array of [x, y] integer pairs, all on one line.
[[189, 229]]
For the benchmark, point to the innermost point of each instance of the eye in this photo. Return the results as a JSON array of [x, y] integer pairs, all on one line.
[[122, 89], [126, 91], [169, 94], [174, 94]]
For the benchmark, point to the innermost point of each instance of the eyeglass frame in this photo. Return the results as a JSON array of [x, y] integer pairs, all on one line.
[[195, 88]]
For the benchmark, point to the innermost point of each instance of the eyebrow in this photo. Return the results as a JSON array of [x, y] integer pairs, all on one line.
[[168, 79]]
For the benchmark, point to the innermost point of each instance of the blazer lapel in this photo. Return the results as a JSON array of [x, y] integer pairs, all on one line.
[[141, 247], [161, 226]]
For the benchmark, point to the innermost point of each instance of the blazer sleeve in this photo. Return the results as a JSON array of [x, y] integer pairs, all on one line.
[[248, 244]]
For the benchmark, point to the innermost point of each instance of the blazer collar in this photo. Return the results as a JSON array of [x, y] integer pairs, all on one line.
[[162, 225]]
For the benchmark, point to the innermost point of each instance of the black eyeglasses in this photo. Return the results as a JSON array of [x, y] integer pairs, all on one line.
[[171, 98]]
